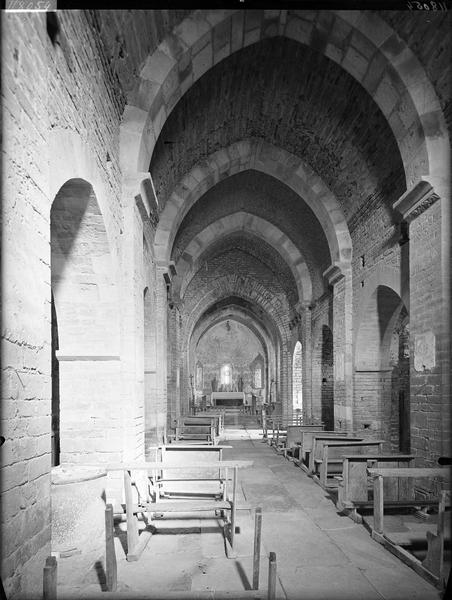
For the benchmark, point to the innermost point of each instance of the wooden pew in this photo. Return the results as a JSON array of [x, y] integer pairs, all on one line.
[[278, 426], [293, 438], [434, 561], [218, 414], [224, 507], [328, 436], [312, 447], [353, 484], [182, 483], [195, 430], [332, 456], [208, 418], [397, 541], [306, 439]]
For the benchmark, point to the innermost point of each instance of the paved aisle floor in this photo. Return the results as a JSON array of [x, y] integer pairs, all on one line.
[[320, 554]]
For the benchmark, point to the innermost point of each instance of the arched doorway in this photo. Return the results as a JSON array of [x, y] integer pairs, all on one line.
[[297, 379], [399, 362], [382, 370], [55, 431], [322, 378]]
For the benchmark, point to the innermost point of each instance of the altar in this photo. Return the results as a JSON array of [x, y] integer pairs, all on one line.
[[228, 399]]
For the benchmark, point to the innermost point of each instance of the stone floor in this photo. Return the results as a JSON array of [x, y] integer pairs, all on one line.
[[321, 555]]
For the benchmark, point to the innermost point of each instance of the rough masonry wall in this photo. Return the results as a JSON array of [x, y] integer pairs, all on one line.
[[50, 94], [429, 38], [430, 421]]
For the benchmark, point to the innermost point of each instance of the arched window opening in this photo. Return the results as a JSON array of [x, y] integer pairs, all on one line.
[[257, 376], [199, 380], [257, 369], [297, 379], [226, 374]]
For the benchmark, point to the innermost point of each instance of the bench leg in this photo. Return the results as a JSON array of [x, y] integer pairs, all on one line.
[[433, 560], [49, 584], [271, 594], [110, 555], [135, 543], [378, 504], [257, 547], [230, 551]]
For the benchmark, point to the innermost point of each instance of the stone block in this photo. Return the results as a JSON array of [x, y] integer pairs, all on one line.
[[14, 475]]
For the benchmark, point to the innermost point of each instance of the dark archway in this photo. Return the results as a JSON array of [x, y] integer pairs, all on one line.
[[382, 370], [327, 395], [55, 432]]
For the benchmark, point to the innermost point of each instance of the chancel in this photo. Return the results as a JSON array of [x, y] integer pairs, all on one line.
[[226, 330]]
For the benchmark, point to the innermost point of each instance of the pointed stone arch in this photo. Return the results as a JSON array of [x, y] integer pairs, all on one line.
[[382, 368], [188, 263], [260, 156], [357, 40], [86, 309]]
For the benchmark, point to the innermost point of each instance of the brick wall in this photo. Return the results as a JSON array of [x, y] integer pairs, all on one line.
[[430, 423]]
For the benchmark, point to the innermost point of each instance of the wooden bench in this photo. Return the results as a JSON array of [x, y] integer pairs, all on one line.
[[436, 540], [196, 433], [315, 444], [396, 541], [224, 507], [332, 460], [206, 419], [277, 426], [306, 438], [185, 483], [353, 484], [210, 415], [219, 415], [292, 440]]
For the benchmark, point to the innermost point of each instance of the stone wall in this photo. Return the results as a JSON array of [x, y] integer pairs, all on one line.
[[61, 110]]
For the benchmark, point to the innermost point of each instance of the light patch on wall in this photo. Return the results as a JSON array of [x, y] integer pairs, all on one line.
[[424, 351], [339, 367]]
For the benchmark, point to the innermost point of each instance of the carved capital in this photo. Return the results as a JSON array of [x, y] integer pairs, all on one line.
[[333, 274], [146, 201], [416, 201]]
